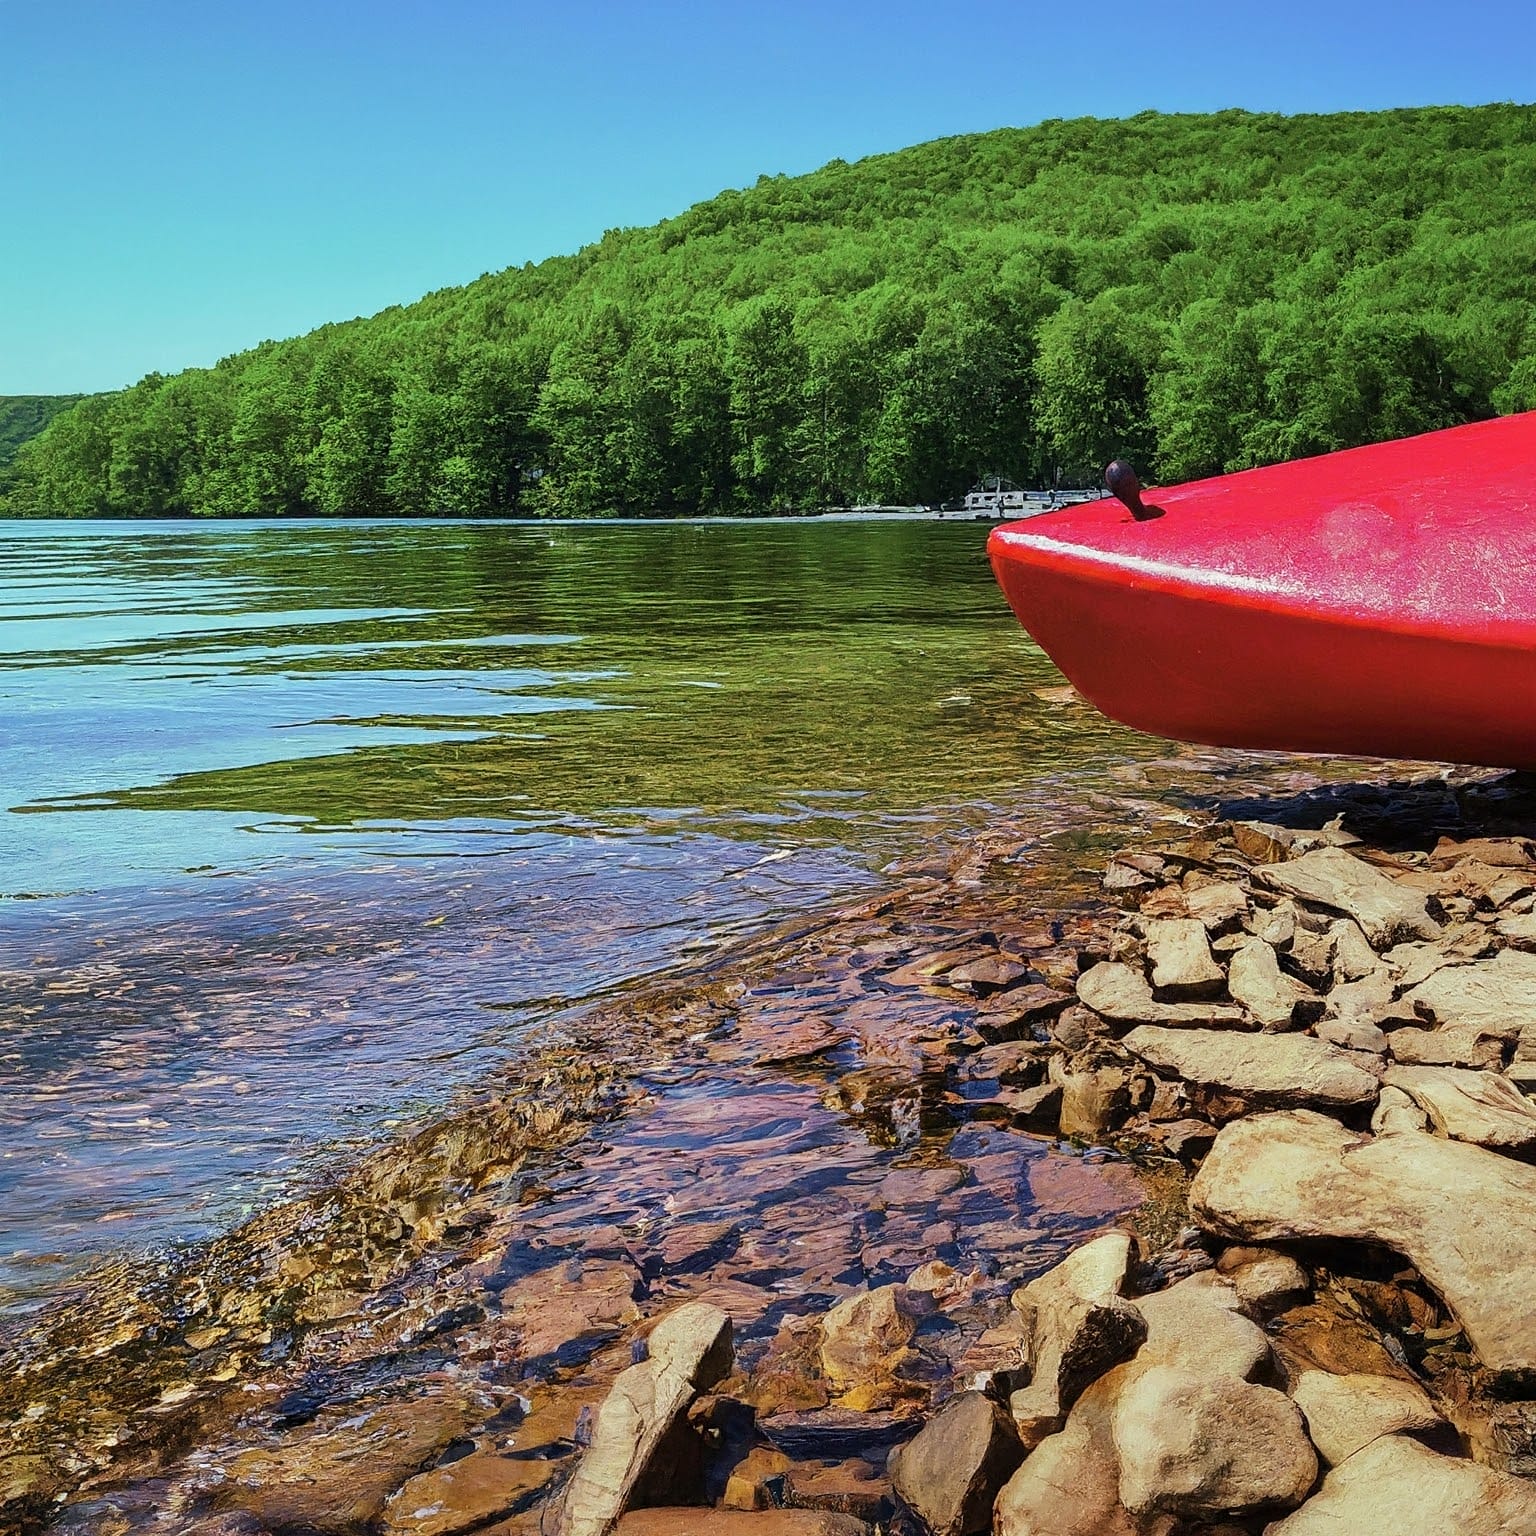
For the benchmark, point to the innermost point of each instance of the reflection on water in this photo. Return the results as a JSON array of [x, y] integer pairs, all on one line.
[[304, 821]]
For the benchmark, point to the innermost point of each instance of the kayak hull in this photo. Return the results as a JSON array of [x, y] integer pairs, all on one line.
[[1380, 602]]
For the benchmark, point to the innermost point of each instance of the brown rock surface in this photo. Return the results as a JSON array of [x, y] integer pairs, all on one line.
[[951, 1472], [1466, 1217], [1386, 911], [731, 1522], [466, 1494], [333, 1477]]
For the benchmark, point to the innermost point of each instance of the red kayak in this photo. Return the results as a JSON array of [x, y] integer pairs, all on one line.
[[1380, 601]]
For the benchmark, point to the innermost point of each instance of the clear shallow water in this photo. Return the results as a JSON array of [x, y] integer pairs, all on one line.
[[304, 823]]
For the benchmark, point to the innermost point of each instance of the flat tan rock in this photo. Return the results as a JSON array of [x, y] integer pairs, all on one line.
[[1219, 906], [1256, 981], [1518, 930], [1269, 1069], [1451, 1045], [466, 1494], [1397, 1486], [1347, 1412], [1498, 994], [1386, 911], [1122, 994], [1180, 956], [1505, 852], [1466, 1217], [1482, 1107]]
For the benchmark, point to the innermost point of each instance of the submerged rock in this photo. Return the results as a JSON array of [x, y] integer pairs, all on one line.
[[864, 1335]]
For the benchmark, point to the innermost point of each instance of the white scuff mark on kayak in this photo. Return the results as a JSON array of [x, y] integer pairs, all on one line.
[[1165, 570]]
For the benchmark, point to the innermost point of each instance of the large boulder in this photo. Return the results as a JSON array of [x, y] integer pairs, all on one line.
[[1192, 1446], [334, 1476], [1397, 1485], [690, 1351], [1267, 1069], [1466, 1217], [950, 1473]]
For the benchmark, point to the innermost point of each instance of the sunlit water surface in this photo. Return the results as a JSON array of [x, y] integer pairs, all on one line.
[[304, 823]]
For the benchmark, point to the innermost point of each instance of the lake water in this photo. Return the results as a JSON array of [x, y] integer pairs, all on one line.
[[304, 823]]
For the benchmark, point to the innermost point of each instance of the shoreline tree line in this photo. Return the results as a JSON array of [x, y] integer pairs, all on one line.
[[1199, 293]]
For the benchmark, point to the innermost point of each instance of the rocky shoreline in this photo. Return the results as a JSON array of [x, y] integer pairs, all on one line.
[[1279, 1066]]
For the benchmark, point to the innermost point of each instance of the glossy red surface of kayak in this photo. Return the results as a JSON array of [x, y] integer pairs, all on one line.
[[1379, 601]]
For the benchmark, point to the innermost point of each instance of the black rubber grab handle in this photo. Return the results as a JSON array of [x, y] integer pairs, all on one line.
[[1125, 487]]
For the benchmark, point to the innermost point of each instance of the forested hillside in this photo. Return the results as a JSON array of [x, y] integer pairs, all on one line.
[[1197, 292], [23, 416]]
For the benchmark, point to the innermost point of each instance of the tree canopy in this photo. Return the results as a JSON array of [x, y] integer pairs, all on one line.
[[1197, 293], [22, 417]]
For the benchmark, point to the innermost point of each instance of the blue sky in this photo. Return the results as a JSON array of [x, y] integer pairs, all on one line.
[[180, 179]]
